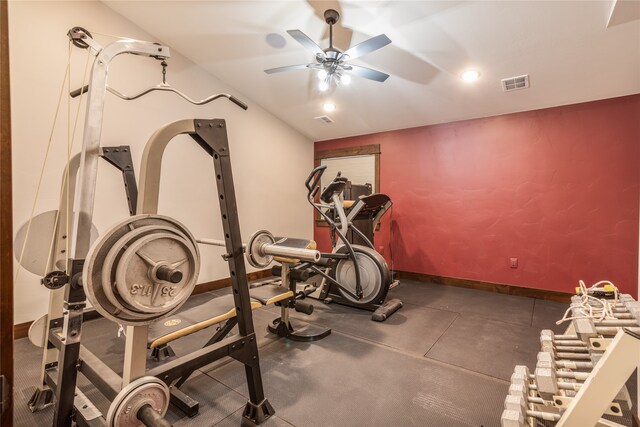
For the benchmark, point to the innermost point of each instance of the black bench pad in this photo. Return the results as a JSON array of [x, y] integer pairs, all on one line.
[[214, 311], [292, 242], [270, 294]]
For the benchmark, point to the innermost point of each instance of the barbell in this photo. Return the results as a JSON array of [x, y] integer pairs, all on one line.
[[146, 266], [262, 247]]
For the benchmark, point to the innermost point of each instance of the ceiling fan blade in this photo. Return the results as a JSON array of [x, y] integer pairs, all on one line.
[[288, 68], [367, 46], [305, 41], [367, 73]]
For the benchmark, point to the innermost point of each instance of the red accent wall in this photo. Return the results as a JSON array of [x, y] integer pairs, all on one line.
[[556, 188]]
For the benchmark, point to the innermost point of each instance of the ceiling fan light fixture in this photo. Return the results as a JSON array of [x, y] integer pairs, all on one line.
[[329, 107], [470, 75], [332, 60], [323, 86]]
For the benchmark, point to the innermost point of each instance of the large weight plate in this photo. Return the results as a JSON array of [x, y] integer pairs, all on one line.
[[92, 273], [112, 259], [136, 280], [255, 257], [37, 331], [123, 411], [37, 246]]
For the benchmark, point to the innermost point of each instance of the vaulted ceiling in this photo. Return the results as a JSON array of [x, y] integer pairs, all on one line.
[[573, 51]]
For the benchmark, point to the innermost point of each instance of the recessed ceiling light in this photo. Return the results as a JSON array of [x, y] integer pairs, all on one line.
[[470, 75], [323, 85], [329, 107], [345, 79]]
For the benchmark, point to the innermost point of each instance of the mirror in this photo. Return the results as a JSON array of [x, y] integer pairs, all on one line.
[[361, 165]]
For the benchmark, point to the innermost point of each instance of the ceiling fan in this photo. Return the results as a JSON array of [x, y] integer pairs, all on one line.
[[331, 62]]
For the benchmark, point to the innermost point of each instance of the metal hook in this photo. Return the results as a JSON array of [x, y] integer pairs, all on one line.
[[164, 71]]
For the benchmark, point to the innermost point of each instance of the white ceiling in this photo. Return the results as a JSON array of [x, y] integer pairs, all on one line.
[[565, 46]]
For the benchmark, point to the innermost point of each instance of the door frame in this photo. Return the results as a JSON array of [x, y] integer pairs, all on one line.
[[6, 223]]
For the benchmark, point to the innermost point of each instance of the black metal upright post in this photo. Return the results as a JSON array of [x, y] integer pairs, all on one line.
[[212, 136], [69, 357]]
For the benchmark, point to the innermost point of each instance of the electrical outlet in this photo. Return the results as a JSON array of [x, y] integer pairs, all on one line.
[[514, 262]]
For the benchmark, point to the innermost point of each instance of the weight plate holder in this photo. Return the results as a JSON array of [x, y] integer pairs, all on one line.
[[255, 255], [145, 244], [123, 411]]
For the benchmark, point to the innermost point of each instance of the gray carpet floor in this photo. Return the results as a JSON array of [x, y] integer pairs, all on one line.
[[444, 359]]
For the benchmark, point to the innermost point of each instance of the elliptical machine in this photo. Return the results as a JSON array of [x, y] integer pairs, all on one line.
[[353, 275]]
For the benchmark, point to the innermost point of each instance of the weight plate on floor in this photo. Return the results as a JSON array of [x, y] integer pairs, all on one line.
[[137, 272], [92, 272], [255, 256], [123, 411]]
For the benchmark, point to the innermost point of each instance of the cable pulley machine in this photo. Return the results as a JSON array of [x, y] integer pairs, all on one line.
[[141, 270]]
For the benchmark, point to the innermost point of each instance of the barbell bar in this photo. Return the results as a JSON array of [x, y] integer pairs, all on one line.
[[262, 247]]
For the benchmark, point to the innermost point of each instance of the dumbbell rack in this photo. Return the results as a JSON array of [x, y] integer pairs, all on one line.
[[580, 375], [64, 334]]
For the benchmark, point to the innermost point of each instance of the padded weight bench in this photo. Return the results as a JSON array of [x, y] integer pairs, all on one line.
[[203, 316], [217, 310], [210, 313], [187, 322]]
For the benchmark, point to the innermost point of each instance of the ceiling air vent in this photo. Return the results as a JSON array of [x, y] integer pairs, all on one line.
[[515, 83], [324, 119]]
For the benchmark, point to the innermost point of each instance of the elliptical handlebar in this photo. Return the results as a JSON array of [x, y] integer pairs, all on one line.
[[314, 176], [313, 186]]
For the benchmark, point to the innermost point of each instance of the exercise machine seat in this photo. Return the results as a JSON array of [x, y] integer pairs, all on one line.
[[270, 294], [373, 203]]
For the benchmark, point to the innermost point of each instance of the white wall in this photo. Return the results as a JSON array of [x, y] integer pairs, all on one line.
[[270, 160]]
